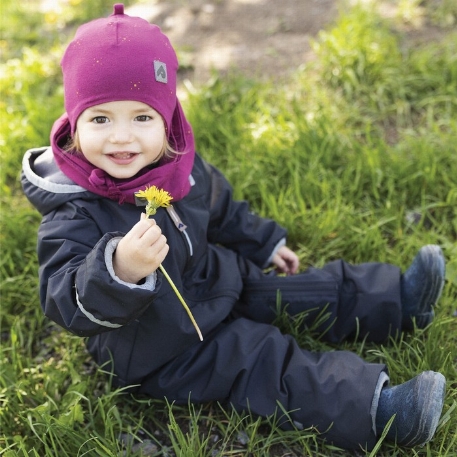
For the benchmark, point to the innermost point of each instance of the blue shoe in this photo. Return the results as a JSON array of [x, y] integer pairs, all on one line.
[[421, 287], [417, 405]]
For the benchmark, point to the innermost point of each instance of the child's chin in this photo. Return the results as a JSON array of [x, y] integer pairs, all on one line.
[[122, 174]]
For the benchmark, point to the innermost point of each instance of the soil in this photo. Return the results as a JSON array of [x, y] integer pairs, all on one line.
[[259, 38]]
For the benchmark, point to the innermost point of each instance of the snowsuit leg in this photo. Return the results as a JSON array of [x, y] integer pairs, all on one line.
[[254, 367], [250, 364], [362, 298]]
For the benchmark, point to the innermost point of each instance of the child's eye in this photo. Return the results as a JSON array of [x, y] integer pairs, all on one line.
[[143, 118], [100, 120]]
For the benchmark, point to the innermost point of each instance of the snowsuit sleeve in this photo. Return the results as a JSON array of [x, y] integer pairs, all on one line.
[[77, 289], [234, 226]]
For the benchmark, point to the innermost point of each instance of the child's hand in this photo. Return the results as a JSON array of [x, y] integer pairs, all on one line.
[[286, 261], [140, 252]]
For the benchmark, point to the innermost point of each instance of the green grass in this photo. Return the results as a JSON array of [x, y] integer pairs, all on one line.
[[356, 156]]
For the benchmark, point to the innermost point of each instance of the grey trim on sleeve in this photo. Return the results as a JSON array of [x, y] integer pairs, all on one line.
[[149, 283], [91, 317], [280, 244], [109, 251]]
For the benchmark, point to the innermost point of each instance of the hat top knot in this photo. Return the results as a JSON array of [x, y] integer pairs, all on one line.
[[118, 8]]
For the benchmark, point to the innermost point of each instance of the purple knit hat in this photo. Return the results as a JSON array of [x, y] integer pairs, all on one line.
[[123, 58], [120, 58]]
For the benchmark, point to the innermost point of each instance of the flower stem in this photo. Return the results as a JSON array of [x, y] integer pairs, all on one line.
[[157, 198], [172, 284]]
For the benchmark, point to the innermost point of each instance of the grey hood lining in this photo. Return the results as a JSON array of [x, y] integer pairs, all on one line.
[[48, 176]]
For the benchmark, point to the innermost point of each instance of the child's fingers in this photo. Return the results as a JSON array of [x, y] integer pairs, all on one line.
[[149, 233], [141, 227]]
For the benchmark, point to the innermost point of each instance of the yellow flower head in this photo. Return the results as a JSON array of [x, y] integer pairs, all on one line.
[[155, 198]]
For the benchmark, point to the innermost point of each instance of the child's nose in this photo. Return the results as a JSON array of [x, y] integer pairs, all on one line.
[[121, 135]]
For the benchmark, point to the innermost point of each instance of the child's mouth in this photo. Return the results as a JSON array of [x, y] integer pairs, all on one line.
[[122, 157]]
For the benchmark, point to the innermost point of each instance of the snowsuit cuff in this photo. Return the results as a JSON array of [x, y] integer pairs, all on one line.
[[382, 382], [281, 243], [150, 280]]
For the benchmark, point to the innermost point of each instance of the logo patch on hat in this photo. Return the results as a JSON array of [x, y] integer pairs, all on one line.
[[160, 71]]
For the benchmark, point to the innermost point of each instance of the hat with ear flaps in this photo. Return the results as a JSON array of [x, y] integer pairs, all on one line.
[[122, 58]]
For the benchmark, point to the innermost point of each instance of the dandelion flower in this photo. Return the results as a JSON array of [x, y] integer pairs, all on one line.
[[157, 198]]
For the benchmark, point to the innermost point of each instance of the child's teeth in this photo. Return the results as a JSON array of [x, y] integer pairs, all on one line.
[[122, 155]]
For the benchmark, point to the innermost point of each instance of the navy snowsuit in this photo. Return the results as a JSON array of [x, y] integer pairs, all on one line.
[[216, 262]]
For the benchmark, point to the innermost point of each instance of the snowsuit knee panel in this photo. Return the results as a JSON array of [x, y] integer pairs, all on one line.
[[359, 300]]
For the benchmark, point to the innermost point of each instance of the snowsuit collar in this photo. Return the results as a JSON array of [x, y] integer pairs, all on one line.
[[172, 175]]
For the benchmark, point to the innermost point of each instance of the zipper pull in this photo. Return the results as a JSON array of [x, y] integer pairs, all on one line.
[[176, 219], [180, 226]]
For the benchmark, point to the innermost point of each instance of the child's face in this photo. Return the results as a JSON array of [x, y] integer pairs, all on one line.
[[121, 137]]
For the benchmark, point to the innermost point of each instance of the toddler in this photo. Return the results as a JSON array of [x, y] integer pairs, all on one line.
[[123, 131]]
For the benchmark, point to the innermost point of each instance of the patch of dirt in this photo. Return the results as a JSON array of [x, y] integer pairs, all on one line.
[[259, 38]]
